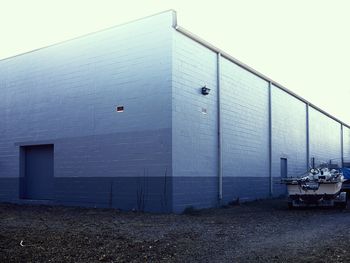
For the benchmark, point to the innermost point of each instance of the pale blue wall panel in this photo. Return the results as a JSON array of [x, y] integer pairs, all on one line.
[[325, 138], [244, 122], [346, 141], [194, 133], [289, 140], [66, 95]]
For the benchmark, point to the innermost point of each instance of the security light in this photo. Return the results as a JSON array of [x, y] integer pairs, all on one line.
[[205, 90]]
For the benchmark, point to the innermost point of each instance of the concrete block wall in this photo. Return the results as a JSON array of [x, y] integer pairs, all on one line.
[[289, 140], [165, 143], [194, 132], [325, 138], [245, 127], [66, 95], [346, 144], [245, 131]]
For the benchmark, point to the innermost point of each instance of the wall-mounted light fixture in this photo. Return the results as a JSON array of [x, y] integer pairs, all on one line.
[[205, 90]]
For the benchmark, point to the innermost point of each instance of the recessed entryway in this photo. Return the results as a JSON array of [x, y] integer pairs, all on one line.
[[284, 168], [38, 172]]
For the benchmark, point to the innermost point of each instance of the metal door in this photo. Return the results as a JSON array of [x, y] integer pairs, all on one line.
[[284, 167], [38, 177]]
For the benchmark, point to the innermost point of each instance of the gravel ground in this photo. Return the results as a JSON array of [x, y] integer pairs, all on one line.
[[262, 231]]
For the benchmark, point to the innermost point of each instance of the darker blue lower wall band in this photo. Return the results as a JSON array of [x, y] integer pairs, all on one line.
[[9, 189], [153, 194], [202, 192]]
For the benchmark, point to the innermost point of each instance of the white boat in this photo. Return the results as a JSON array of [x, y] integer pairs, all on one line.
[[320, 187]]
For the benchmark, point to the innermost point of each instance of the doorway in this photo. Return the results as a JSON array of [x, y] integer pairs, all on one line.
[[38, 172], [284, 168]]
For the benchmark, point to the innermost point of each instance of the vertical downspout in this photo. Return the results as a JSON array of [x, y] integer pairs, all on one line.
[[218, 75], [307, 138], [342, 145], [270, 141]]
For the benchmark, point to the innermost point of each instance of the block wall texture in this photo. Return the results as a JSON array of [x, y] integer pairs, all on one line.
[[66, 95], [161, 153], [194, 132], [346, 141], [288, 115], [245, 131], [325, 138], [244, 99], [245, 127]]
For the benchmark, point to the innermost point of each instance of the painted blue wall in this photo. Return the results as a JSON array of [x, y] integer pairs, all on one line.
[[245, 131], [245, 127], [161, 153], [194, 133], [325, 138], [289, 140], [66, 95], [195, 139], [346, 141]]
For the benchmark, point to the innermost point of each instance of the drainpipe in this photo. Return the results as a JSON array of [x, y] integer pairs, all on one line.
[[270, 142], [342, 145], [307, 139], [218, 75]]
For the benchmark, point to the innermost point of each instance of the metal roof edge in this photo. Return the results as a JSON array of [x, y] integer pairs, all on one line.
[[253, 71]]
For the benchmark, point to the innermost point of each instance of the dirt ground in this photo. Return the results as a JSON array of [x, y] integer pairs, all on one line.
[[262, 231]]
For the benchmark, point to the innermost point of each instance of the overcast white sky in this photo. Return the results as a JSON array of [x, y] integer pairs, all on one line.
[[304, 45]]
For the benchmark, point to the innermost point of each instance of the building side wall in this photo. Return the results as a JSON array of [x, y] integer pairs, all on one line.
[[161, 153], [289, 141], [194, 133], [325, 138], [244, 102], [346, 144], [66, 95], [245, 128]]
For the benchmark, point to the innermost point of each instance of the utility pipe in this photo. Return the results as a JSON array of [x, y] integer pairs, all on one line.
[[270, 140], [342, 145], [218, 85], [307, 139]]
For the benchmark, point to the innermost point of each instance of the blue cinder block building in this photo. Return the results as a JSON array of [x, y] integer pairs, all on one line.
[[147, 116]]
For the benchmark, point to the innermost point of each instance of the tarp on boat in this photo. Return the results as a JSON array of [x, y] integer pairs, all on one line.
[[346, 173]]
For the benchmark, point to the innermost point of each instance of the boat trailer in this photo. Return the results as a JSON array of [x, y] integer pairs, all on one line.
[[320, 187]]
